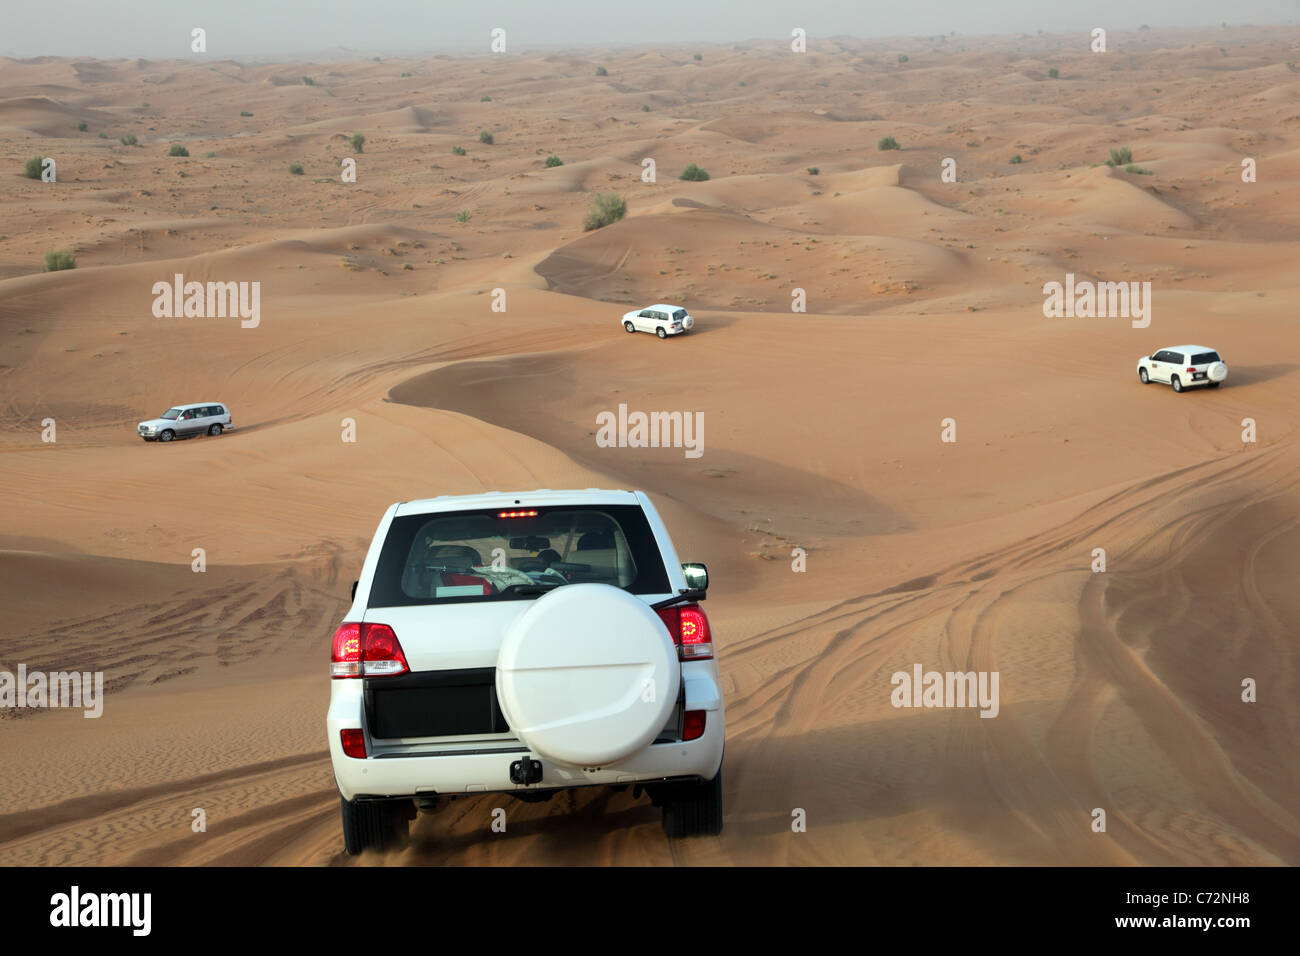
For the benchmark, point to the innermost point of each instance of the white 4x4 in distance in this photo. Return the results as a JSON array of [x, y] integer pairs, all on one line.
[[662, 320], [1183, 367], [526, 644]]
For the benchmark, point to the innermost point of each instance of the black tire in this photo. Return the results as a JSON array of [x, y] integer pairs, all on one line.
[[1143, 377], [1177, 383], [629, 326], [374, 824], [166, 435], [694, 809], [661, 333], [1214, 384], [214, 430]]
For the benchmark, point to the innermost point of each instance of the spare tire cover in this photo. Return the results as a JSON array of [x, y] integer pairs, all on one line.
[[588, 675], [1218, 372]]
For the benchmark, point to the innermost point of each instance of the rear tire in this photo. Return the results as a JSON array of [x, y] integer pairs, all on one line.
[[375, 824], [214, 430], [629, 326], [1142, 375], [694, 809], [1214, 385], [661, 333], [1177, 383]]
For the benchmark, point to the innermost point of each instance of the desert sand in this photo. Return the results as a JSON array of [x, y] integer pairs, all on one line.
[[1120, 689]]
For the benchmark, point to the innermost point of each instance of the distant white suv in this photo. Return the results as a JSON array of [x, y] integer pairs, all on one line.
[[526, 644], [186, 421], [662, 320], [1183, 367]]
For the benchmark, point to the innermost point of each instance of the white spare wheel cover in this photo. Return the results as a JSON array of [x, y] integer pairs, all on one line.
[[1218, 372], [588, 675]]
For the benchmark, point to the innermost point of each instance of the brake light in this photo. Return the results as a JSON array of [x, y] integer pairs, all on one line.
[[689, 629], [354, 743], [693, 725], [517, 514], [1190, 369], [366, 650]]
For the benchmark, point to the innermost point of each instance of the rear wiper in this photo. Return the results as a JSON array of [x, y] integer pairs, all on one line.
[[529, 588], [683, 597]]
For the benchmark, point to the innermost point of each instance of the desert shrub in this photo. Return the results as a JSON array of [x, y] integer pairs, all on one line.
[[406, 73], [32, 168], [1015, 160], [358, 141], [601, 71], [458, 150], [485, 137], [902, 58], [308, 81], [813, 170], [887, 142], [605, 208], [178, 150], [464, 216], [699, 57], [1120, 157], [245, 113], [58, 260], [645, 108], [83, 126], [128, 140], [694, 173], [485, 98], [1054, 73], [552, 161], [1135, 168], [295, 169]]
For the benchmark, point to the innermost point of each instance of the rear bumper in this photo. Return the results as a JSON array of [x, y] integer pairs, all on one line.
[[489, 772]]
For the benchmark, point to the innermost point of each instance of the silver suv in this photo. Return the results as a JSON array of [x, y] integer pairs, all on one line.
[[186, 421]]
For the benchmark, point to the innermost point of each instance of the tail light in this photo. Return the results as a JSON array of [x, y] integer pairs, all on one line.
[[1191, 369], [689, 629], [354, 743], [366, 650], [692, 725]]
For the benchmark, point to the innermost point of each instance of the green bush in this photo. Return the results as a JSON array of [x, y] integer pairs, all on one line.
[[103, 136], [699, 57], [245, 113], [887, 142], [32, 168], [1135, 168], [1054, 73], [57, 261], [813, 170], [406, 73], [606, 208], [458, 150], [645, 108], [485, 137], [1015, 160], [83, 126], [601, 71], [358, 141], [464, 216], [128, 140], [485, 98], [694, 173], [308, 81], [295, 169], [902, 58], [178, 150], [552, 161], [1120, 157]]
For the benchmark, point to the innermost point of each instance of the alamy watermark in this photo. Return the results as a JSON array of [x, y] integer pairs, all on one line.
[[73, 689], [651, 430]]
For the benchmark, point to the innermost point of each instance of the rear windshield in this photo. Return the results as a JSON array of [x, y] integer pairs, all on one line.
[[496, 555], [679, 314], [1204, 358]]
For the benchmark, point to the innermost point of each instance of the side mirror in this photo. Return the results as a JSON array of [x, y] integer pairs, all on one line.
[[354, 589], [697, 576]]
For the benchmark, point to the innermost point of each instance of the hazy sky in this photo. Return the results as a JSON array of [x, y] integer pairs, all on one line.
[[161, 28]]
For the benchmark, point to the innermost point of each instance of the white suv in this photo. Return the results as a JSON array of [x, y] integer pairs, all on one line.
[[524, 643], [662, 320], [1183, 367]]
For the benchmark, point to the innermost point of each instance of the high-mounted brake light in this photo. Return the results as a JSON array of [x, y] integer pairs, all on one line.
[[366, 650], [689, 629], [517, 514]]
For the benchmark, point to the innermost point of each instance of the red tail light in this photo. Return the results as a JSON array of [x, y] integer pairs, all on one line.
[[1190, 369], [354, 743], [689, 629], [692, 725], [366, 650]]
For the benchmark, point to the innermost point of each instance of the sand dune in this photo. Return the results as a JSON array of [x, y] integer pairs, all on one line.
[[1119, 689]]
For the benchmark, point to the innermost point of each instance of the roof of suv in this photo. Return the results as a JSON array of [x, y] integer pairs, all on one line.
[[1185, 348], [524, 499], [664, 305]]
